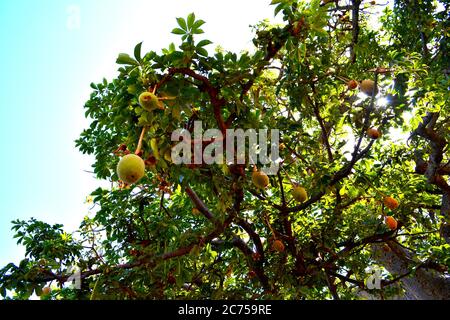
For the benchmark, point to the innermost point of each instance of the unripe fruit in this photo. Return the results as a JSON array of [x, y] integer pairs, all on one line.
[[373, 133], [168, 156], [391, 203], [131, 168], [391, 223], [46, 291], [149, 101], [367, 87], [278, 246], [154, 146], [299, 194], [352, 84], [260, 179]]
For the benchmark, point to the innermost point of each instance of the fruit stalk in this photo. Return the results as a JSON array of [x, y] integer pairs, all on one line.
[[141, 138]]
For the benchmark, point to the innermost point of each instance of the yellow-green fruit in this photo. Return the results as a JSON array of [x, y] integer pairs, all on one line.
[[154, 146], [149, 101], [367, 87], [299, 194], [168, 155], [260, 179], [131, 168]]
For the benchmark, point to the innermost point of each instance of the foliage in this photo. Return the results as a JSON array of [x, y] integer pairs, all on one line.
[[204, 231]]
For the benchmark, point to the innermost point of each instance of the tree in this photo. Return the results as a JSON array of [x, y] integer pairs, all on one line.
[[205, 230]]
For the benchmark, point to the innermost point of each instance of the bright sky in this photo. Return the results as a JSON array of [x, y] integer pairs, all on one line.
[[47, 64]]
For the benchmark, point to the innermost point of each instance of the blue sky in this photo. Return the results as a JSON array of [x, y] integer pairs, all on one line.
[[47, 66]]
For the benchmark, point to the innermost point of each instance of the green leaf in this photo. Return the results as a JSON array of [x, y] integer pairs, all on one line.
[[202, 52], [178, 31], [197, 24], [280, 7], [182, 23], [203, 43], [190, 20], [315, 5], [126, 59], [137, 52], [198, 31]]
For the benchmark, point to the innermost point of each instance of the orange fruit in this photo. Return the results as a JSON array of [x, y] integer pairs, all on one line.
[[352, 84], [391, 222], [46, 291], [373, 133], [391, 203], [278, 246]]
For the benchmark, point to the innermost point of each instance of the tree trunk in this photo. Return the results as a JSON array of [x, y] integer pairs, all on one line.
[[424, 284]]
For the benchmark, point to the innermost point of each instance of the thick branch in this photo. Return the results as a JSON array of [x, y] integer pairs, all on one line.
[[355, 27], [253, 235], [199, 204], [257, 268]]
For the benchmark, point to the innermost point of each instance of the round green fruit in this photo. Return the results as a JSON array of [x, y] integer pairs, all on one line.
[[149, 101], [131, 168], [367, 87], [260, 179], [168, 155], [299, 194]]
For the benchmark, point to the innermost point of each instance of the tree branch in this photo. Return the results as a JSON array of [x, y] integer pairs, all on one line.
[[199, 204]]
